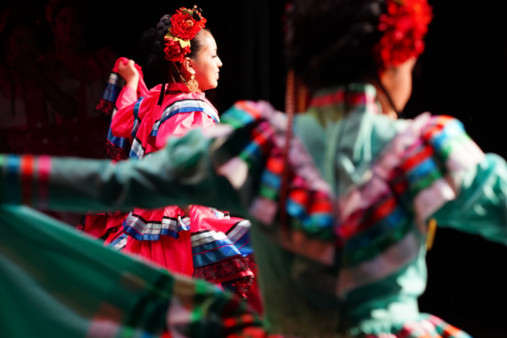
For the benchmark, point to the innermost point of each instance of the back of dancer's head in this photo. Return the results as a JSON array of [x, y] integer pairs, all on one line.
[[332, 42], [153, 43]]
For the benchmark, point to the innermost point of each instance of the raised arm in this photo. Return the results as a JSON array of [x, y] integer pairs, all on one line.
[[457, 184], [178, 174], [123, 119], [481, 205]]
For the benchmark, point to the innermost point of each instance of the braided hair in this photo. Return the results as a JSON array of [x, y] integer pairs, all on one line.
[[330, 42], [152, 42]]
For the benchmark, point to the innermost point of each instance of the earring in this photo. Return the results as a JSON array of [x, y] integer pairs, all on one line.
[[193, 85]]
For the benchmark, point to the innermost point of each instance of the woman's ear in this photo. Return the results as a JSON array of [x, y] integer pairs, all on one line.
[[187, 66]]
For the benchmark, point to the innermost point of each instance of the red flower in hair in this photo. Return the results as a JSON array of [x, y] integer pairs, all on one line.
[[173, 50], [404, 25], [184, 25]]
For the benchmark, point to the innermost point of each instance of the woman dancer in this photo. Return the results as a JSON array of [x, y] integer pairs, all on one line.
[[192, 240]]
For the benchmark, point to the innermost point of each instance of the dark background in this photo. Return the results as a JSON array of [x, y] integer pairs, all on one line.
[[248, 35], [462, 73]]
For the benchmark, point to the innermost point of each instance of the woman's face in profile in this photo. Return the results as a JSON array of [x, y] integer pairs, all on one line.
[[207, 63]]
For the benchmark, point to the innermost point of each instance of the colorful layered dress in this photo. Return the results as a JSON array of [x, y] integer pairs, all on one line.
[[359, 192], [193, 240]]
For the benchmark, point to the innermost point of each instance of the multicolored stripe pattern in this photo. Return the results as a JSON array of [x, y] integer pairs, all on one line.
[[117, 148], [374, 220], [182, 107], [428, 326], [25, 180], [149, 230], [217, 256], [409, 181], [308, 197], [335, 103], [107, 103], [261, 137], [220, 257], [210, 247], [137, 150]]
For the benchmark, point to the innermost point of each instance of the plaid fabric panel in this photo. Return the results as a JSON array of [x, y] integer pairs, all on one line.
[[25, 179], [150, 230], [72, 286], [428, 326], [106, 105]]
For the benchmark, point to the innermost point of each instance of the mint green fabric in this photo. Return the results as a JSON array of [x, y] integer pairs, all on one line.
[[296, 289], [481, 207], [57, 282]]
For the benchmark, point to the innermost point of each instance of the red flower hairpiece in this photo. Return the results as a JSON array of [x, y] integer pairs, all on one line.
[[404, 25], [185, 24]]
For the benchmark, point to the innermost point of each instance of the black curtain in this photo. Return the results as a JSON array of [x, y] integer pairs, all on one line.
[[462, 73], [248, 35]]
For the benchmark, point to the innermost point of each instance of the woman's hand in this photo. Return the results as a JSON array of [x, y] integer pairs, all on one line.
[[129, 73]]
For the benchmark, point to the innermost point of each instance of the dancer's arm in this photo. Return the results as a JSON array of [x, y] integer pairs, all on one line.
[[481, 204], [123, 119], [181, 173]]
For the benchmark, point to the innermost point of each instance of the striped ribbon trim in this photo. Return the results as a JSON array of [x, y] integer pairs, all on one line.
[[308, 202], [419, 173], [113, 88], [309, 195], [182, 107], [26, 179], [376, 225], [151, 230], [137, 150], [241, 114], [119, 242], [239, 235], [27, 171], [210, 247], [117, 147], [137, 120], [357, 95], [428, 326]]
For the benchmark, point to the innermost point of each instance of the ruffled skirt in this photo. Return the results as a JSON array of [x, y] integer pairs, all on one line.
[[196, 241]]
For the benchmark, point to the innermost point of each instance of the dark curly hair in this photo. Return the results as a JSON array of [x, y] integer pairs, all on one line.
[[152, 43], [330, 42]]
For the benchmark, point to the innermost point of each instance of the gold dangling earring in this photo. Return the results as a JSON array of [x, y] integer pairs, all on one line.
[[193, 85]]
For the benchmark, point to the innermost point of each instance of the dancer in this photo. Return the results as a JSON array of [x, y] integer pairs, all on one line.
[[344, 212], [192, 240]]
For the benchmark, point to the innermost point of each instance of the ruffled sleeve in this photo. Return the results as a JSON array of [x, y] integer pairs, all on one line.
[[181, 116], [478, 182], [481, 205], [123, 121]]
